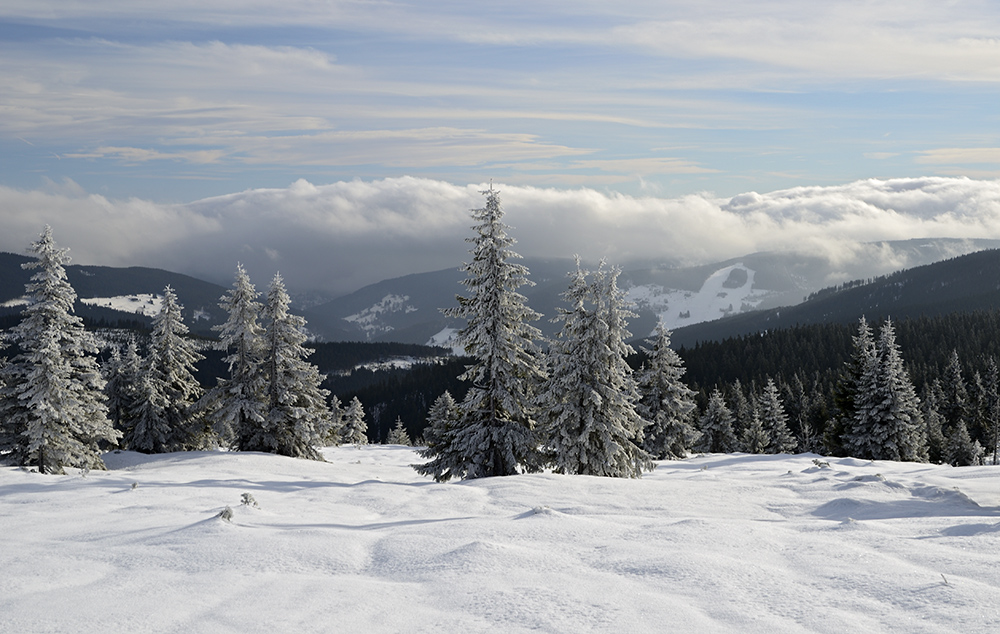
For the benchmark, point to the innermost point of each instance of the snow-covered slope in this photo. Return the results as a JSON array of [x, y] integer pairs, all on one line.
[[727, 291], [720, 543]]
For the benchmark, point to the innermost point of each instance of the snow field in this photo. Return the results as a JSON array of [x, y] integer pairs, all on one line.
[[733, 543]]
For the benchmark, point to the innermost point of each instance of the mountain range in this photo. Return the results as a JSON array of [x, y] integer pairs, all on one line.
[[736, 296]]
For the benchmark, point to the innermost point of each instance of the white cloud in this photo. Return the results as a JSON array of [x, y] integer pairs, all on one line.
[[343, 235]]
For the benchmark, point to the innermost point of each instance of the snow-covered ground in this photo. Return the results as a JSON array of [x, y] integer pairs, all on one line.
[[719, 543], [718, 297], [143, 303], [370, 319]]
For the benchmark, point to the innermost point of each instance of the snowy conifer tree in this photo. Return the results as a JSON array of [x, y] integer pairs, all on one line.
[[495, 434], [336, 422], [666, 403], [716, 426], [439, 440], [754, 438], [355, 429], [888, 424], [933, 422], [298, 418], [398, 435], [956, 405], [962, 450], [167, 423], [774, 420], [991, 409], [238, 405], [52, 401], [591, 421]]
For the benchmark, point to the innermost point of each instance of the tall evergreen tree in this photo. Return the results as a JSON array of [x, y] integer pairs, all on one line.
[[991, 408], [754, 438], [298, 418], [888, 424], [666, 403], [591, 421], [956, 406], [355, 429], [238, 405], [168, 424], [716, 426], [495, 434], [121, 372], [774, 420], [848, 386], [52, 404], [442, 419]]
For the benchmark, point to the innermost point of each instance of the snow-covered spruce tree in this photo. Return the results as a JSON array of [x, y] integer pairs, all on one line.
[[933, 421], [398, 435], [962, 450], [754, 438], [955, 406], [846, 392], [333, 434], [121, 373], [237, 406], [716, 426], [297, 418], [775, 420], [991, 409], [495, 433], [666, 403], [52, 401], [439, 441], [888, 424], [590, 421], [355, 429], [167, 423]]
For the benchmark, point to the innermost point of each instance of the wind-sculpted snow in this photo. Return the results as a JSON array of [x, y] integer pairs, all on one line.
[[717, 543]]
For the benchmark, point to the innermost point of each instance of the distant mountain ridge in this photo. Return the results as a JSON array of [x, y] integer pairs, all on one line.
[[200, 299], [963, 284], [408, 309]]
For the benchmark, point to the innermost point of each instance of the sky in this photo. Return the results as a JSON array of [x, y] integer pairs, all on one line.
[[344, 141]]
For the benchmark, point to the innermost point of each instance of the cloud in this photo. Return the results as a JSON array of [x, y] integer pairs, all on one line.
[[341, 236]]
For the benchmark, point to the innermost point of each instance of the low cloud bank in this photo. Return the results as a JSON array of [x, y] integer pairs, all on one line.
[[341, 236]]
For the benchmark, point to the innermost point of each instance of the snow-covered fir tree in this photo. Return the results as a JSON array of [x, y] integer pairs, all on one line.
[[962, 450], [398, 435], [955, 406], [298, 418], [355, 429], [121, 373], [333, 434], [742, 409], [167, 423], [888, 423], [237, 406], [716, 426], [933, 421], [846, 394], [495, 434], [754, 438], [774, 420], [591, 422], [439, 439], [991, 409], [666, 403], [52, 403]]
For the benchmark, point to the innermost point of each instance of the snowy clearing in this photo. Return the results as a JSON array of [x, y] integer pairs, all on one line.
[[726, 292], [145, 304], [718, 543]]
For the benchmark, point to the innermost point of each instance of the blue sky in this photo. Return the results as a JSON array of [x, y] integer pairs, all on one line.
[[155, 106]]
